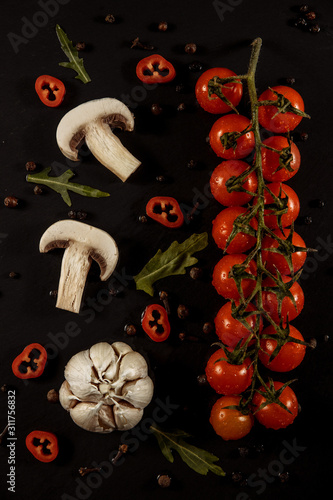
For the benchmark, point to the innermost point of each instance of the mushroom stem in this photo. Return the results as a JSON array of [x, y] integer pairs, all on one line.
[[109, 151], [75, 266]]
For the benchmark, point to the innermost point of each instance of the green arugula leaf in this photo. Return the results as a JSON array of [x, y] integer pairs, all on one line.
[[201, 461], [72, 53], [62, 185], [171, 262]]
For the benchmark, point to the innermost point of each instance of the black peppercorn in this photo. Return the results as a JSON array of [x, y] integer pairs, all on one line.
[[110, 18], [202, 379], [4, 388], [53, 396], [304, 136], [190, 48], [81, 215], [301, 23], [72, 214], [114, 292], [156, 109], [243, 451], [283, 476], [80, 46], [13, 275], [53, 293], [192, 164], [181, 107], [10, 201], [130, 329], [315, 28], [196, 273], [236, 477], [143, 219], [180, 87], [320, 203], [160, 178], [38, 190], [290, 81], [304, 8], [208, 327], [163, 480], [30, 166], [163, 26], [312, 343], [308, 220]]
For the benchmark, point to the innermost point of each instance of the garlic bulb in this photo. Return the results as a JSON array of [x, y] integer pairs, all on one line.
[[106, 387]]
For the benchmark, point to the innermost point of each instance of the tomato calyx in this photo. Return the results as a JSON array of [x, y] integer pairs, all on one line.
[[216, 86], [229, 139], [282, 337], [272, 395], [283, 105], [278, 207], [242, 225], [285, 157], [236, 355], [243, 407], [235, 183], [238, 273]]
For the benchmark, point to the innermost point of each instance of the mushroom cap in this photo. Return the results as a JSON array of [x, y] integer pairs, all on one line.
[[74, 125], [102, 247]]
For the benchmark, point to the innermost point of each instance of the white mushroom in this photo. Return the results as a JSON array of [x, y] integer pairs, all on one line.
[[106, 387], [83, 243], [92, 121]]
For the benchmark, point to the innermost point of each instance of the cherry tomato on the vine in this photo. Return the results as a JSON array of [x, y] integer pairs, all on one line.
[[227, 128], [230, 423], [293, 205], [288, 310], [275, 260], [272, 161], [222, 229], [226, 378], [269, 116], [229, 330], [222, 173], [233, 91], [290, 355], [273, 416], [226, 286]]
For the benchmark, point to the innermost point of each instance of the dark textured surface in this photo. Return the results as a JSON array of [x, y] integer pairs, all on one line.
[[164, 144]]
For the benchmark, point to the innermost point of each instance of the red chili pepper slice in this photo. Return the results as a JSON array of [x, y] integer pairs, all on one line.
[[155, 322], [31, 362], [50, 90], [43, 445], [165, 210], [155, 69]]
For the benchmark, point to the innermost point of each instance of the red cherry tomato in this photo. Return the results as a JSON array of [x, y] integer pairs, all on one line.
[[229, 330], [226, 286], [281, 122], [226, 378], [222, 228], [293, 206], [230, 423], [288, 310], [222, 173], [290, 355], [275, 260], [271, 159], [212, 103], [273, 416], [228, 127]]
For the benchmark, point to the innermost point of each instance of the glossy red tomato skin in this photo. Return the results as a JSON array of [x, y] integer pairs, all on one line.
[[270, 159], [232, 123], [214, 104], [226, 378], [293, 205], [229, 330], [272, 415], [222, 173], [288, 310], [290, 356], [229, 423], [222, 228], [283, 122], [277, 260], [226, 286]]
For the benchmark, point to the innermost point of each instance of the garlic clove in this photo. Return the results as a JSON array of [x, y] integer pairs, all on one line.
[[93, 417], [80, 374], [138, 392], [104, 358], [66, 397], [133, 366], [126, 416], [121, 348]]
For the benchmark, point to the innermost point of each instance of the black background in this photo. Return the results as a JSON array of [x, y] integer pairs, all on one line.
[[164, 144]]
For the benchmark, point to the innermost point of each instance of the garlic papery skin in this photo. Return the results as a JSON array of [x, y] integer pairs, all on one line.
[[106, 387]]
